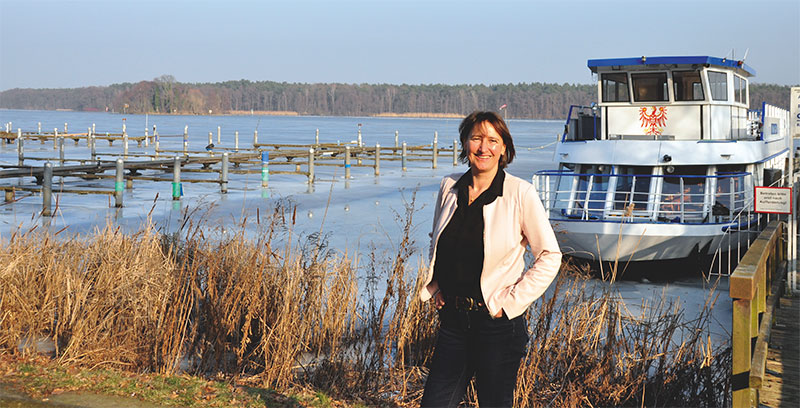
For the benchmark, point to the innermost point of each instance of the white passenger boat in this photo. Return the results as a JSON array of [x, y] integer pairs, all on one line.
[[664, 165]]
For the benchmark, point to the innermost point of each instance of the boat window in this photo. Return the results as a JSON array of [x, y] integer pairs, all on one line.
[[739, 93], [683, 194], [633, 186], [650, 87], [718, 82], [688, 86], [593, 179], [730, 195], [615, 87]]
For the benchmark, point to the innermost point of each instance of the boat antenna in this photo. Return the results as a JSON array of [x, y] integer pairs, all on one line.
[[745, 55]]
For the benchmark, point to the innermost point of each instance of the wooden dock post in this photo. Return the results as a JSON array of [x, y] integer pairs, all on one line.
[[93, 128], [20, 147], [236, 141], [310, 166], [60, 151], [119, 183], [224, 174], [10, 195], [455, 152], [435, 155], [347, 162], [185, 140], [264, 169], [176, 178], [155, 136], [255, 137], [396, 140], [210, 138], [316, 138], [40, 128], [359, 135], [47, 189], [219, 134], [65, 127], [55, 138], [404, 156], [377, 159]]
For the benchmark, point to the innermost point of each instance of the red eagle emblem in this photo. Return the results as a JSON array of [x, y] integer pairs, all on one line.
[[655, 121]]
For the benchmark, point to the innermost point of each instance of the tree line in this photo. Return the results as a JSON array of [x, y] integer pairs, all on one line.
[[165, 95]]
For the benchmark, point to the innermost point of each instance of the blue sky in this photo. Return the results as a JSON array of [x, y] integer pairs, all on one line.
[[73, 43]]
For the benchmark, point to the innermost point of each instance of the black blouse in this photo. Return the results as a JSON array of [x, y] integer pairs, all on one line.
[[459, 252]]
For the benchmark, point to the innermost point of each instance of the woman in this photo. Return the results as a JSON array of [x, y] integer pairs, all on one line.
[[483, 222]]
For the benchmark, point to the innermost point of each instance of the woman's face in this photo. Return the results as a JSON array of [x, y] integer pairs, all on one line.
[[485, 148]]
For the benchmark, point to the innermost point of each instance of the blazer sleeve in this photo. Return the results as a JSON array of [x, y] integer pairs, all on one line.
[[437, 212], [542, 242]]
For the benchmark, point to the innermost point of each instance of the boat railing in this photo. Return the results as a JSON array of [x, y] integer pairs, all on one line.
[[688, 199]]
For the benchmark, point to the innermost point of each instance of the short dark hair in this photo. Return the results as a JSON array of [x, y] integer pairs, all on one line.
[[499, 125]]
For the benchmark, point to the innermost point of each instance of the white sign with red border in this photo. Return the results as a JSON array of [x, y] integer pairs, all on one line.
[[773, 200]]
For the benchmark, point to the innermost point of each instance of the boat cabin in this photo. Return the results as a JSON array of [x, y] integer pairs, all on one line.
[[666, 98]]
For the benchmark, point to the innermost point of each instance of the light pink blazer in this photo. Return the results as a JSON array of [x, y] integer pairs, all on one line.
[[512, 222]]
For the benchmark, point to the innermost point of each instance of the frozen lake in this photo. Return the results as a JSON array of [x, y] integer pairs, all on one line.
[[358, 216]]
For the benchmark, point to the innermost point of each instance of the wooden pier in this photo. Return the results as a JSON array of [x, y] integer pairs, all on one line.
[[765, 337], [256, 158]]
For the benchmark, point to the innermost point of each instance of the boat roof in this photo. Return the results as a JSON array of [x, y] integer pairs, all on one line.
[[682, 60]]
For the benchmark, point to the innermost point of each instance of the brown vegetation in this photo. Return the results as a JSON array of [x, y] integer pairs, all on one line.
[[284, 313]]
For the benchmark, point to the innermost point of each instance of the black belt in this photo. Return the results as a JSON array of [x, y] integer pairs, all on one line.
[[466, 304]]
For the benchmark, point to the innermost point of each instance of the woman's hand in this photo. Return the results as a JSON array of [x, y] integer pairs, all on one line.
[[438, 299], [498, 314]]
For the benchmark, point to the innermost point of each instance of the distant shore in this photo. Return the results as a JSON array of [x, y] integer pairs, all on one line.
[[269, 113]]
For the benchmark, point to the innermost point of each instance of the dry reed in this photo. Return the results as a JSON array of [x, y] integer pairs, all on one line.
[[261, 305]]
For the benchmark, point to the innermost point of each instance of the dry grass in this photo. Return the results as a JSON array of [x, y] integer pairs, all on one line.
[[284, 313]]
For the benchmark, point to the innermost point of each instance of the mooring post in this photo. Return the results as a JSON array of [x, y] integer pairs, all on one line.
[[264, 169], [224, 174], [236, 140], [396, 140], [65, 127], [93, 146], [176, 178], [146, 139], [377, 159], [47, 189], [93, 128], [60, 151], [316, 138], [185, 140], [310, 166], [10, 195], [359, 135], [255, 137], [210, 138], [125, 144], [55, 138], [435, 150], [156, 138], [119, 183], [404, 156], [219, 134], [20, 147], [40, 128], [88, 136], [347, 162], [455, 152]]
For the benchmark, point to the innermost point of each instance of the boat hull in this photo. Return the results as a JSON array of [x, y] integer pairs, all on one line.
[[610, 241]]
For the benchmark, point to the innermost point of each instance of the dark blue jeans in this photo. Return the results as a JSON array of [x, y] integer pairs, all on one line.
[[472, 343]]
